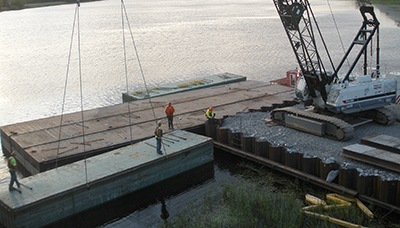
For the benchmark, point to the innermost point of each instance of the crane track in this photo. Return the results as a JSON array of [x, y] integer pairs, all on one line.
[[334, 128], [383, 116]]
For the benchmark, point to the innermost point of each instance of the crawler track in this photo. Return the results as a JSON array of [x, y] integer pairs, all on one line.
[[334, 128], [382, 116]]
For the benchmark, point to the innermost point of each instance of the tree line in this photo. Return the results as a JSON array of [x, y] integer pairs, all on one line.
[[21, 4]]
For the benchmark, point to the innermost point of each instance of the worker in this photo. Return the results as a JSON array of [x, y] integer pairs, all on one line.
[[12, 167], [158, 133], [169, 110], [210, 113]]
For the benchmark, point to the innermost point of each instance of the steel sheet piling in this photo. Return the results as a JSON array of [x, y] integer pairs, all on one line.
[[261, 148], [266, 108], [368, 185], [325, 168], [348, 177], [276, 153], [310, 165], [222, 135], [234, 139], [287, 103], [292, 158], [247, 143], [388, 191], [210, 127]]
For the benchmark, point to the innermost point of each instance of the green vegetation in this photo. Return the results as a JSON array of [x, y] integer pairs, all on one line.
[[386, 2], [17, 4], [23, 4], [271, 200]]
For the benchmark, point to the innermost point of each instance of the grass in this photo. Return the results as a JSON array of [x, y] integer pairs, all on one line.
[[386, 2], [264, 199]]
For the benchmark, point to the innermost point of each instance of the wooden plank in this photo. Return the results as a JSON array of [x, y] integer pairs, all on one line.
[[384, 142], [374, 156]]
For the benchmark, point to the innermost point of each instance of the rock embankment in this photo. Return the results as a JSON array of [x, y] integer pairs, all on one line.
[[252, 124]]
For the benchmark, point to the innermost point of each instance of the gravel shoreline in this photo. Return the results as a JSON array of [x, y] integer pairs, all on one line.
[[252, 124]]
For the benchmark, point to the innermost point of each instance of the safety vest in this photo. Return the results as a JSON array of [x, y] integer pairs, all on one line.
[[11, 163], [169, 110], [209, 114], [156, 132]]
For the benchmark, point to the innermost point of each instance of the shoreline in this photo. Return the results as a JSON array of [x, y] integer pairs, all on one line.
[[34, 5], [42, 4]]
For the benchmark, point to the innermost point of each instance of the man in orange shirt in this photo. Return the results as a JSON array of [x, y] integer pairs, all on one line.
[[169, 110]]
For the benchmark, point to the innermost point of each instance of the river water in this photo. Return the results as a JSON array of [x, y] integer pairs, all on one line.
[[176, 40]]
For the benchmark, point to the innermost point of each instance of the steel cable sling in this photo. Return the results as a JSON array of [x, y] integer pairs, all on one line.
[[123, 12], [76, 21]]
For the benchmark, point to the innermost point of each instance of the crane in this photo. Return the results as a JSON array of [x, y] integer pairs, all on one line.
[[335, 96]]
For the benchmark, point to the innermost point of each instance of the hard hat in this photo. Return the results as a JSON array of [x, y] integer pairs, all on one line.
[[210, 108], [159, 122]]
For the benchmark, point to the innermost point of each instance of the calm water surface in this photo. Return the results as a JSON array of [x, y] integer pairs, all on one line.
[[176, 40]]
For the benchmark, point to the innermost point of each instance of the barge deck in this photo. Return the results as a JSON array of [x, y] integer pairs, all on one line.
[[66, 191], [178, 87], [38, 147]]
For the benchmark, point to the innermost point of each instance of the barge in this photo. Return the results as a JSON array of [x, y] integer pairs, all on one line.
[[39, 148], [178, 87], [63, 192]]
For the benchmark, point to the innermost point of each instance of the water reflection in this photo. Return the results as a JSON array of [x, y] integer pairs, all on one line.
[[143, 207], [164, 212]]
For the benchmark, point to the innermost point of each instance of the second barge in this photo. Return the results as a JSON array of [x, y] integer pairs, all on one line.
[[59, 193]]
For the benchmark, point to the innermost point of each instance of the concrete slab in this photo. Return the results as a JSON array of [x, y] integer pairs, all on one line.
[[374, 156], [385, 142]]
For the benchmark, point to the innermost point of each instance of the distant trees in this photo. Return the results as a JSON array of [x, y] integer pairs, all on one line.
[[18, 4], [12, 4]]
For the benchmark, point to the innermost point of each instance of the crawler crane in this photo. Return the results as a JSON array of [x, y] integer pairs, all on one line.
[[335, 98]]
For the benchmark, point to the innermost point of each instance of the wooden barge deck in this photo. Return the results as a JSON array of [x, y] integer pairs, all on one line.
[[38, 147], [63, 192]]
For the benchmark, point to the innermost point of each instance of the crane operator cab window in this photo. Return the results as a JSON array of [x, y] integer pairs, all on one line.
[[293, 80]]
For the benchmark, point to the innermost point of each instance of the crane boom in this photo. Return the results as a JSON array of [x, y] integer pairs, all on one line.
[[299, 23], [363, 96]]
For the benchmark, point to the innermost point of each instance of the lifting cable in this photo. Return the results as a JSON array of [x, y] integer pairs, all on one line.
[[81, 93], [76, 21], [337, 30], [65, 85], [123, 12], [126, 71]]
